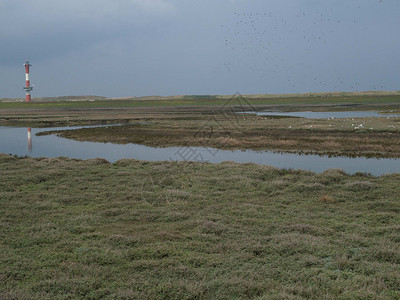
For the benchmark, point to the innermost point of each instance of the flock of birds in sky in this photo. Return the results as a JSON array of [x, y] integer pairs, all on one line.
[[266, 45]]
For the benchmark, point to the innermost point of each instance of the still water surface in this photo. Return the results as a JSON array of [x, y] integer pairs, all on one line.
[[325, 114], [18, 141]]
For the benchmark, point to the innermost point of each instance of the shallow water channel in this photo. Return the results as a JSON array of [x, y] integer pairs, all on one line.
[[23, 141], [323, 114]]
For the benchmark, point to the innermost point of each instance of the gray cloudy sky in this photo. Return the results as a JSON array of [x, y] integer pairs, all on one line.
[[167, 47]]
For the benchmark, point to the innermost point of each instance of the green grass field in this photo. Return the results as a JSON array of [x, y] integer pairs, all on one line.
[[73, 229], [137, 230]]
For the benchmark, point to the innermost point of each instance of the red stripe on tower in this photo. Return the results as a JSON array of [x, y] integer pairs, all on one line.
[[27, 87]]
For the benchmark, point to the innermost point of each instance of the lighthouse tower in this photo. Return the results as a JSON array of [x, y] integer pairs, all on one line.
[[27, 87]]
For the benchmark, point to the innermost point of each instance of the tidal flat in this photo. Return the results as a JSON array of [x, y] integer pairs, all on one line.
[[216, 123]]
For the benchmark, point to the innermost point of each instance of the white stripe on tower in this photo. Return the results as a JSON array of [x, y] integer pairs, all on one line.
[[27, 87]]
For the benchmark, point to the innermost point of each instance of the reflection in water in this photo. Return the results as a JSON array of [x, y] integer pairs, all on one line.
[[29, 140]]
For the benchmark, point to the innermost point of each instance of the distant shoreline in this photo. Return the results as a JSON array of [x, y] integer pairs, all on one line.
[[191, 97]]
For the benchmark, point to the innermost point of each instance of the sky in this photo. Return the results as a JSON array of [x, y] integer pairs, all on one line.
[[126, 48]]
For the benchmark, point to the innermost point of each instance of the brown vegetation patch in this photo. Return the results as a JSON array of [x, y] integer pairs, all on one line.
[[326, 199]]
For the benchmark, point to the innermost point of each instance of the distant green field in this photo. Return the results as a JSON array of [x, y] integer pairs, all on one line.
[[200, 101]]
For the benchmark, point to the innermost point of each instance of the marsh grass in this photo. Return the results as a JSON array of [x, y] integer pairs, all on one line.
[[226, 133], [161, 230]]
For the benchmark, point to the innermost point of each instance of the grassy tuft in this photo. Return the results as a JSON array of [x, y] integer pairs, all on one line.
[[326, 199]]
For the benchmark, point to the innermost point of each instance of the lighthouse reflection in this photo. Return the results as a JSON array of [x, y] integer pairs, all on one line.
[[29, 140]]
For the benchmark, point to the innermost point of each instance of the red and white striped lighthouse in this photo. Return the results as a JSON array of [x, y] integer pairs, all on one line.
[[27, 87]]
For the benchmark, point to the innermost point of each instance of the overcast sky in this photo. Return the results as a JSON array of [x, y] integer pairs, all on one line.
[[123, 48]]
